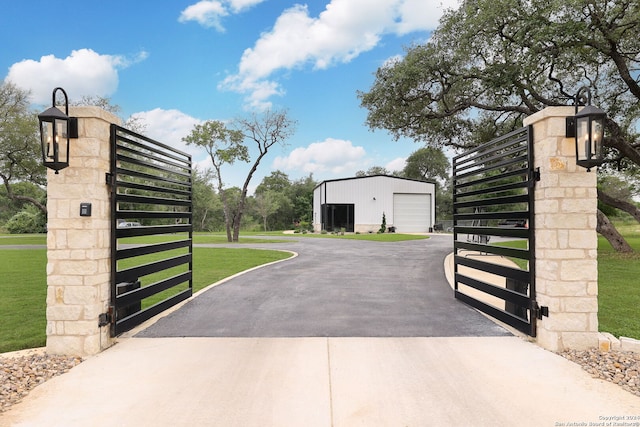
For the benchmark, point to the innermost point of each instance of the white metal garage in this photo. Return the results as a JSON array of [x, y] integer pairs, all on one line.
[[358, 204], [412, 212]]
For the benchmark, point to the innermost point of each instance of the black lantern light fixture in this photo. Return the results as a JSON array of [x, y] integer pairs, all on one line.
[[56, 128], [587, 127]]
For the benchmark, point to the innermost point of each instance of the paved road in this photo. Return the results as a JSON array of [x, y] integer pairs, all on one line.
[[335, 288]]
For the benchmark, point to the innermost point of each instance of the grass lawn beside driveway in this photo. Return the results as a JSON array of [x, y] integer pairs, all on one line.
[[23, 280], [23, 289]]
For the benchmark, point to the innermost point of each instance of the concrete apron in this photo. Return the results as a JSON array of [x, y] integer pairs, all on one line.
[[487, 381]]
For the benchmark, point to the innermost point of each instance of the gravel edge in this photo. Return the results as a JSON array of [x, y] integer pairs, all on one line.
[[21, 372], [619, 367]]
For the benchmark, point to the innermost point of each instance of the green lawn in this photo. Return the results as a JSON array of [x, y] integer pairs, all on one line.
[[23, 290], [618, 286], [23, 287], [23, 239], [23, 294], [373, 237]]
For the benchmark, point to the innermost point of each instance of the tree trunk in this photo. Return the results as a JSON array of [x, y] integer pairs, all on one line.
[[204, 218], [609, 232]]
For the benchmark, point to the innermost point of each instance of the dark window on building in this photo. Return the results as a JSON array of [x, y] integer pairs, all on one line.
[[337, 216]]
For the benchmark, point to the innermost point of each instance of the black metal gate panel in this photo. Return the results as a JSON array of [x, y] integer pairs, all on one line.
[[151, 231], [493, 205]]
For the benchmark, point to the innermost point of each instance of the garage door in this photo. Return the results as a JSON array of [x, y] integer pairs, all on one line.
[[412, 213]]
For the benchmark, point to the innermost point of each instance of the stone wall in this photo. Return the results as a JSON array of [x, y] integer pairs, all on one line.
[[78, 248], [565, 234]]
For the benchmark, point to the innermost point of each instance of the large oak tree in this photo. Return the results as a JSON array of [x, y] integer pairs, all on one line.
[[490, 63]]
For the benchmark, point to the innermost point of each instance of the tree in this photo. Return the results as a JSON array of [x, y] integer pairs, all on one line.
[[20, 155], [276, 187], [266, 203], [207, 206], [133, 123], [224, 146], [301, 196], [427, 163], [264, 131], [491, 63], [373, 170]]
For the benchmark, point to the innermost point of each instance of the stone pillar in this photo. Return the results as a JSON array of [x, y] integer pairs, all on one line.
[[78, 247], [566, 239]]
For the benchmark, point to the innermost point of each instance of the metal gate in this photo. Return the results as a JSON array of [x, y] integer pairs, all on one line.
[[151, 231], [493, 205]]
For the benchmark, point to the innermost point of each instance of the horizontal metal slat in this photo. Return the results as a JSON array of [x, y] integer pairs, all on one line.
[[158, 167], [495, 250], [123, 134], [120, 172], [501, 293], [152, 230], [503, 316], [182, 164], [152, 214], [493, 201], [498, 270], [522, 233], [151, 249], [152, 188], [148, 200], [132, 274], [141, 316], [137, 295]]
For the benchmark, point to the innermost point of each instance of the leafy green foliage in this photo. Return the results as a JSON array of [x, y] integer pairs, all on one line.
[[491, 63], [383, 226], [20, 154], [426, 164], [25, 222]]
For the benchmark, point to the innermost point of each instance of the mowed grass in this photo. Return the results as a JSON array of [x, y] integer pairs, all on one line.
[[23, 298], [23, 289], [23, 239], [371, 237], [619, 285]]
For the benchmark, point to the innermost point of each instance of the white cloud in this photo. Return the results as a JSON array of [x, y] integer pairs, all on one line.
[[169, 127], [209, 13], [344, 30], [335, 156], [83, 73], [396, 164], [206, 13], [420, 15]]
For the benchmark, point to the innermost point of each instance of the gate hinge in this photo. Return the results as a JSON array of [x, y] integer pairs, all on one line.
[[536, 174], [109, 178], [105, 319], [541, 311]]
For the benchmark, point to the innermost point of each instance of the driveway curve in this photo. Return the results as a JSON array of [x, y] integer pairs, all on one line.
[[335, 288]]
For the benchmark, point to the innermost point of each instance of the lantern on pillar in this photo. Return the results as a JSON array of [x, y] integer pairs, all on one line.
[[56, 129], [587, 128]]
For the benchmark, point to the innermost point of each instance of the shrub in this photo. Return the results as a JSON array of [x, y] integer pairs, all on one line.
[[25, 222], [383, 226]]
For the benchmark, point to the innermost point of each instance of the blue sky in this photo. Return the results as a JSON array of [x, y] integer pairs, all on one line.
[[181, 62]]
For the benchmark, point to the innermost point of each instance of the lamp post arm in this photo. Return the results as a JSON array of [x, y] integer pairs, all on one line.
[[66, 99]]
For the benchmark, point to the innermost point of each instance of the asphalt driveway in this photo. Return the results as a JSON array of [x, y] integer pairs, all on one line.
[[335, 288]]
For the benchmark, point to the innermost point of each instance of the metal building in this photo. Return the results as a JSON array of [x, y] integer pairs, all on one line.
[[357, 204]]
